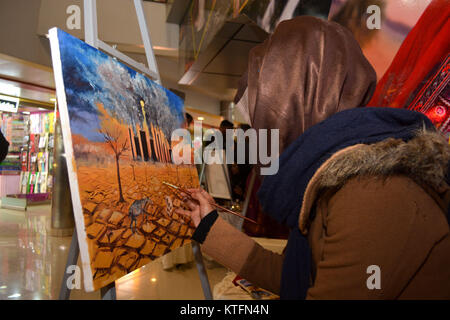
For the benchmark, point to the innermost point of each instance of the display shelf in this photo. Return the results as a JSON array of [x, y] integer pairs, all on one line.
[[30, 154]]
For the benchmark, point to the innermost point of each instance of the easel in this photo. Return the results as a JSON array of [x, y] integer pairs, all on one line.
[[91, 38]]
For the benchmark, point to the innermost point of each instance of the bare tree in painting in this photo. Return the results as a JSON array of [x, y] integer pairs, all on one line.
[[114, 133], [132, 167]]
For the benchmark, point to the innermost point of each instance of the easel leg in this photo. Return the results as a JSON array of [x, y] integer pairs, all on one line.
[[72, 259], [109, 292], [248, 195], [201, 271], [199, 257]]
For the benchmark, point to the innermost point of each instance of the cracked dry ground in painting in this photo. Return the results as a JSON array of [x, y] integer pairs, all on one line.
[[114, 248]]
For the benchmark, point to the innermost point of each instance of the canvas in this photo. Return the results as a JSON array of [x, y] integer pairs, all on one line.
[[217, 177], [117, 126]]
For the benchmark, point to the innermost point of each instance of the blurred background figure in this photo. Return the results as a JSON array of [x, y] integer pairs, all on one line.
[[189, 124], [4, 145], [224, 125], [239, 172]]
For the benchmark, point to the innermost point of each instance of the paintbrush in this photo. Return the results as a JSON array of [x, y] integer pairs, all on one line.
[[188, 193]]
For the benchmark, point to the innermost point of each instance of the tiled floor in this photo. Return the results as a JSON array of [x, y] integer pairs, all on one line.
[[32, 265]]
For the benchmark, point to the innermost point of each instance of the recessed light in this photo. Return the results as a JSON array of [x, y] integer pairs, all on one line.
[[153, 279]]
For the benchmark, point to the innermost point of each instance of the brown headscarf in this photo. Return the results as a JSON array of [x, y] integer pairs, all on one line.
[[306, 71]]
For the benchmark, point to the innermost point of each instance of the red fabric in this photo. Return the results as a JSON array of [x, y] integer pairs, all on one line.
[[425, 46], [433, 98], [267, 226]]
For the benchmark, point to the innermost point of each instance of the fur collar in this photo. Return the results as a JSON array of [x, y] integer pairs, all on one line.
[[424, 159]]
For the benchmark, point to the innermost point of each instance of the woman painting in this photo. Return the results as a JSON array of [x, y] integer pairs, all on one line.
[[363, 190]]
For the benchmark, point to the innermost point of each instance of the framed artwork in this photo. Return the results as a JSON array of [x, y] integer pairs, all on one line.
[[116, 126]]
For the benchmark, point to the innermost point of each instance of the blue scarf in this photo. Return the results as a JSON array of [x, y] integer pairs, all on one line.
[[281, 195]]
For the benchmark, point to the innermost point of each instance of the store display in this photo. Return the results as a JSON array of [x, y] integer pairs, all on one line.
[[14, 128], [36, 170], [116, 127], [30, 155]]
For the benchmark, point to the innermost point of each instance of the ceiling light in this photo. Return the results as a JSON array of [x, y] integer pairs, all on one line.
[[200, 118], [153, 279], [15, 295], [53, 99]]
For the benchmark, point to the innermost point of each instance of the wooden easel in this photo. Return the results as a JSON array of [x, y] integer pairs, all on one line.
[[91, 38]]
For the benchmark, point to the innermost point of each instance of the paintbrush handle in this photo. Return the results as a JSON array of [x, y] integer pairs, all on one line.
[[232, 212], [217, 206]]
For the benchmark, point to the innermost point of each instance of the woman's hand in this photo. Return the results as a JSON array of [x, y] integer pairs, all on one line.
[[198, 209]]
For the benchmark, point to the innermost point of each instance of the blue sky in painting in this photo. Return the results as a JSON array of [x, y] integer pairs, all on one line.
[[91, 77]]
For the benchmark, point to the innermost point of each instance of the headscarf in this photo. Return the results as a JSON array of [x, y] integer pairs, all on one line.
[[307, 70]]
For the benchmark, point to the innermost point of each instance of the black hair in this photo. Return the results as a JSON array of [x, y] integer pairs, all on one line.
[[244, 126], [226, 124], [189, 118]]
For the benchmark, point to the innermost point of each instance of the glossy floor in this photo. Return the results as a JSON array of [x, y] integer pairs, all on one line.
[[32, 265]]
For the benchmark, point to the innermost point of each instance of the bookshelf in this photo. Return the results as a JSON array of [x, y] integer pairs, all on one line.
[[27, 168]]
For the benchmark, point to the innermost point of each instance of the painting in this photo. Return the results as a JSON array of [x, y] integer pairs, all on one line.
[[117, 126]]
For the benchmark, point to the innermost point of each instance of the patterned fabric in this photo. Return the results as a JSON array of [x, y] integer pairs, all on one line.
[[418, 77], [433, 98]]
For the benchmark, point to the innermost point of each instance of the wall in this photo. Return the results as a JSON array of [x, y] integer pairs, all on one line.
[[117, 21], [195, 100], [18, 25], [24, 23]]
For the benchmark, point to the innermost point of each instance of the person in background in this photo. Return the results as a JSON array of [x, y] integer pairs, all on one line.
[[224, 126], [4, 146], [189, 125], [240, 172], [364, 191], [189, 122]]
